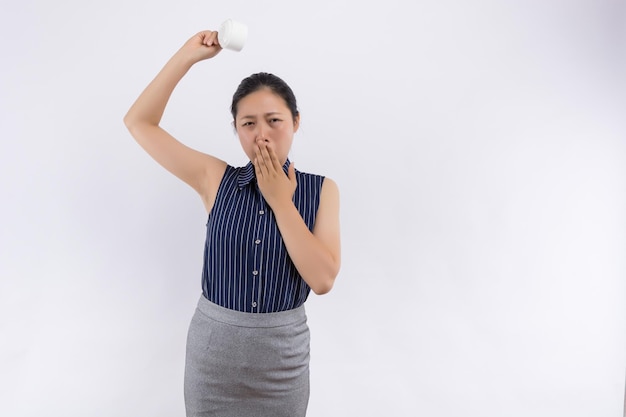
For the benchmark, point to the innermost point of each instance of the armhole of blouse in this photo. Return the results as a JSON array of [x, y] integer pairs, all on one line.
[[227, 174]]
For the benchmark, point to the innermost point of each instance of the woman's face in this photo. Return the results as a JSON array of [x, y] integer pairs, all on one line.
[[264, 116]]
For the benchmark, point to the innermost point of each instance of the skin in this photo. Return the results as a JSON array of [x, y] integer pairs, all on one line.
[[263, 116], [265, 128]]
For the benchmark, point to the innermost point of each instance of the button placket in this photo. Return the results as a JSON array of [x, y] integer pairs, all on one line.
[[261, 219]]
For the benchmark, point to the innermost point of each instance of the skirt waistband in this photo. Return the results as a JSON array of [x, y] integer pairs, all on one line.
[[243, 319]]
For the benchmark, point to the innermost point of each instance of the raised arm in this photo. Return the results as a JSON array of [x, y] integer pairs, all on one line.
[[201, 171]]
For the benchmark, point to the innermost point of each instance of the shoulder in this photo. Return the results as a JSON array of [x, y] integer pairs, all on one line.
[[310, 184], [330, 189], [327, 187], [229, 173], [308, 175], [326, 184], [312, 177]]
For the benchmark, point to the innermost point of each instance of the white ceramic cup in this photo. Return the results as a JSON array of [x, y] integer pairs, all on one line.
[[232, 35]]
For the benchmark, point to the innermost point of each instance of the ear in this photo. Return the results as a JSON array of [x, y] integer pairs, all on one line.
[[296, 123]]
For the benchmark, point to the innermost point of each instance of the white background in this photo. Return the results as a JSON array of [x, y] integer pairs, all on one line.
[[480, 150]]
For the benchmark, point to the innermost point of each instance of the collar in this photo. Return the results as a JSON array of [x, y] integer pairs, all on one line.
[[247, 174]]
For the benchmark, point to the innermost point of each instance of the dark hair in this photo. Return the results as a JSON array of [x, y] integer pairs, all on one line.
[[262, 80]]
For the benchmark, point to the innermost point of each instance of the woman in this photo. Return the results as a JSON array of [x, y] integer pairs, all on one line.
[[272, 236]]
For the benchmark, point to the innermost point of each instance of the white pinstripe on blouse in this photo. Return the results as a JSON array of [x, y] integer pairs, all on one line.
[[246, 264]]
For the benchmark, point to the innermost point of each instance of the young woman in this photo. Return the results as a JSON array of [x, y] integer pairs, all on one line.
[[272, 236]]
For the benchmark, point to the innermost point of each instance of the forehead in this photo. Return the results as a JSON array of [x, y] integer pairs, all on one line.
[[261, 102]]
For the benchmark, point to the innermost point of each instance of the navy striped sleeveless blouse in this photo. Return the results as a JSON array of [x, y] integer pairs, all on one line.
[[246, 264]]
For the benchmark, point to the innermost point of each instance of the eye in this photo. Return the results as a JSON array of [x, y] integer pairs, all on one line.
[[275, 120], [245, 124]]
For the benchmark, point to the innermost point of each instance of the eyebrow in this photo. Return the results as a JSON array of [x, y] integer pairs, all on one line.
[[266, 114]]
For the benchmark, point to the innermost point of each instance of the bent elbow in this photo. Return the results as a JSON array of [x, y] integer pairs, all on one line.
[[129, 121], [321, 290], [323, 287], [326, 284], [133, 120]]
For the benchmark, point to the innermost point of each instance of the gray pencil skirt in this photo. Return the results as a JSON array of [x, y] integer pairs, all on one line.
[[246, 364]]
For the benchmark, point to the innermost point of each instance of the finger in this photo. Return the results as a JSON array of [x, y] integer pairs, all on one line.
[[261, 162], [204, 37], [274, 158], [259, 169], [208, 38], [213, 38], [216, 39], [257, 157], [266, 160]]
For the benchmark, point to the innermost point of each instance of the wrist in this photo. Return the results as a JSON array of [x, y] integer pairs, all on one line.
[[280, 208], [183, 59]]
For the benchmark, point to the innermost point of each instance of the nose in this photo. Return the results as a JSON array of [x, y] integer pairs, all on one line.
[[261, 134]]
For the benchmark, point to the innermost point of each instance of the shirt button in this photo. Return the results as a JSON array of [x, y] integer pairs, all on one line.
[[257, 241], [261, 211], [254, 304], [255, 272]]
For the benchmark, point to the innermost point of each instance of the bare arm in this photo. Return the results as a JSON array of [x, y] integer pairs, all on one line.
[[317, 254], [201, 171]]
